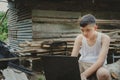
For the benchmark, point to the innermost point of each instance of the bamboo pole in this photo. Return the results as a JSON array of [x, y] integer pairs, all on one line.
[[1, 21]]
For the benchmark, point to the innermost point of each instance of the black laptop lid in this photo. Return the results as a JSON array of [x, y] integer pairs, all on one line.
[[61, 68]]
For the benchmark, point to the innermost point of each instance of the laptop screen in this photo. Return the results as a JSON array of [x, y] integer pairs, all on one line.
[[61, 68]]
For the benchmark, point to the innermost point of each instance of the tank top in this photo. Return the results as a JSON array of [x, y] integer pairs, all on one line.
[[90, 53]]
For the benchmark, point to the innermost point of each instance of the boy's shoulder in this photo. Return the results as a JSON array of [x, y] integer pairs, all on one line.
[[79, 37], [105, 37]]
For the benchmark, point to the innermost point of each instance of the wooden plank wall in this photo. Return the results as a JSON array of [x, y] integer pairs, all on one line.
[[48, 24], [19, 26], [54, 24]]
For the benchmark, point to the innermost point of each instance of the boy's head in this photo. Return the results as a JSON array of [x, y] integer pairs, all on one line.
[[88, 25], [87, 20]]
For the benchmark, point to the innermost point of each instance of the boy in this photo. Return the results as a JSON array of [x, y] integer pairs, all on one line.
[[93, 47]]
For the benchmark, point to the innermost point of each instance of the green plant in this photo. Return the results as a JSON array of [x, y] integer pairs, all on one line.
[[3, 27], [42, 77]]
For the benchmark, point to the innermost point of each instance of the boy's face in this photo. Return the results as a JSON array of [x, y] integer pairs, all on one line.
[[89, 31]]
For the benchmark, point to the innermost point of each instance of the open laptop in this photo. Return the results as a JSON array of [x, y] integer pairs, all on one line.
[[61, 68]]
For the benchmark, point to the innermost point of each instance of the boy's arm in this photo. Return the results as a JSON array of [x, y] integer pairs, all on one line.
[[77, 44], [101, 58]]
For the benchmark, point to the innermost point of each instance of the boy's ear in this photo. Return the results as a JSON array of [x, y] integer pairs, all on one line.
[[95, 27]]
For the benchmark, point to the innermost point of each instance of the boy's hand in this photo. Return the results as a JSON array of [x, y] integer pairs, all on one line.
[[83, 77]]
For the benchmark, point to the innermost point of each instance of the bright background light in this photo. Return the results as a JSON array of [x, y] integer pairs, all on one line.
[[3, 5]]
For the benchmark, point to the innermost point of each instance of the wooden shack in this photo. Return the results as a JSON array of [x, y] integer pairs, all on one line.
[[56, 20], [39, 20]]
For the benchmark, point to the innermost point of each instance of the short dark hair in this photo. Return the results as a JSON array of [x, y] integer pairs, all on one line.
[[87, 19]]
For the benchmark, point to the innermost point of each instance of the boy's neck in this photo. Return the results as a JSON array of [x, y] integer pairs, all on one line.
[[93, 37]]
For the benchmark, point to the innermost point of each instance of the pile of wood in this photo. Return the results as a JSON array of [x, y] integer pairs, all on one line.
[[45, 47]]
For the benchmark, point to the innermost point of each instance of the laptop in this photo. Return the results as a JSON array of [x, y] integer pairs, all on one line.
[[61, 67]]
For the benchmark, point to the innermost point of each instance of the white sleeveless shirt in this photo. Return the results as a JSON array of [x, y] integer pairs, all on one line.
[[90, 53]]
